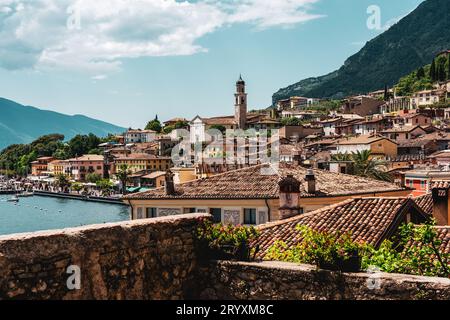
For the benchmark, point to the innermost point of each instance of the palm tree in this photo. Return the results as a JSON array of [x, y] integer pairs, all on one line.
[[122, 175], [364, 165], [341, 157], [368, 167]]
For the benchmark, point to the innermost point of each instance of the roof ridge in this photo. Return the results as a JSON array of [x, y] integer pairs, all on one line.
[[330, 207], [301, 216]]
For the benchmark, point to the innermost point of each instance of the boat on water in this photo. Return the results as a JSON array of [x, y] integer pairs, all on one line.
[[25, 194], [13, 199]]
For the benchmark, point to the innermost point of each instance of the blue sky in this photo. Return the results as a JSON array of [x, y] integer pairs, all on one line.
[[125, 63]]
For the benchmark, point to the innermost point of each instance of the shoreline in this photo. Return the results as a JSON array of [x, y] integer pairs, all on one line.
[[79, 197]]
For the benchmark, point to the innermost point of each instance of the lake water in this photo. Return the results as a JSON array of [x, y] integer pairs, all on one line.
[[45, 213]]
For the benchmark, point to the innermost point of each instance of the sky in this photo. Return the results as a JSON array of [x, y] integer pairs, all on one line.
[[125, 61]]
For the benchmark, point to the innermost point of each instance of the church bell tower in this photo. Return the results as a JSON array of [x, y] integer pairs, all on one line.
[[240, 114]]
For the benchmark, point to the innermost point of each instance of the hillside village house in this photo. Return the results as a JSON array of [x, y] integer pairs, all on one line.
[[174, 121], [403, 133], [427, 97], [329, 126], [40, 166], [78, 168], [362, 105], [379, 147], [252, 195], [298, 132], [137, 162], [57, 167], [139, 136], [370, 126], [296, 103], [421, 180], [417, 119]]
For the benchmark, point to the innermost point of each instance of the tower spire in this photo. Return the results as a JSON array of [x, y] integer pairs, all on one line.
[[241, 104]]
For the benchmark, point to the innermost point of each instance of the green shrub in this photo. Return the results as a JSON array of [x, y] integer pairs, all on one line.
[[327, 251], [414, 250], [217, 241]]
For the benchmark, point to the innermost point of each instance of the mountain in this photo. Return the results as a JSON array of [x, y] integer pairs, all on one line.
[[23, 124], [406, 46]]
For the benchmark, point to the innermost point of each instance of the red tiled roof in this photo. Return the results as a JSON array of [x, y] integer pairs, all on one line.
[[425, 202], [140, 156], [440, 185], [261, 182], [444, 236], [368, 220]]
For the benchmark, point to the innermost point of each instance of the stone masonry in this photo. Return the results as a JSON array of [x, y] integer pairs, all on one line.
[[147, 259], [287, 281], [156, 259]]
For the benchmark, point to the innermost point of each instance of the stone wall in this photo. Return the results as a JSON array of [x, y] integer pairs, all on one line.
[[146, 259], [155, 259], [286, 281]]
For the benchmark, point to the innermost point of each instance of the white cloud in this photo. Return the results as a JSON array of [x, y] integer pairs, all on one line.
[[99, 77], [95, 36]]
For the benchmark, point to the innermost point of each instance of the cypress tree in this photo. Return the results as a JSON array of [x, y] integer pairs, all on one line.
[[441, 76], [433, 71], [448, 66], [420, 73]]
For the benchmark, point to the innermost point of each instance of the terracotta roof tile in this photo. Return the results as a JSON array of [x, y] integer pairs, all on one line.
[[440, 185], [261, 182], [425, 202], [367, 219]]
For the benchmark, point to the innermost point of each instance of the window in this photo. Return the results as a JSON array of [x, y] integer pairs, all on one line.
[[217, 214], [152, 213], [139, 213], [190, 210], [423, 184], [249, 216]]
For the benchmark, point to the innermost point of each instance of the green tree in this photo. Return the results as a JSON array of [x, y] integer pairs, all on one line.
[[93, 177], [386, 93], [441, 72], [62, 181], [290, 121], [433, 74], [420, 73], [122, 174], [77, 187], [168, 129], [219, 127], [154, 125], [105, 185], [367, 166], [181, 124], [364, 165], [82, 144], [448, 67]]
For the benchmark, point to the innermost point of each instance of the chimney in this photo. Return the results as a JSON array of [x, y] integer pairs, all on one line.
[[402, 179], [289, 197], [440, 193], [310, 178], [169, 185]]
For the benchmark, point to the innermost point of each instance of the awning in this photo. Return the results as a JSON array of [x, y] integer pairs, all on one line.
[[133, 189]]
